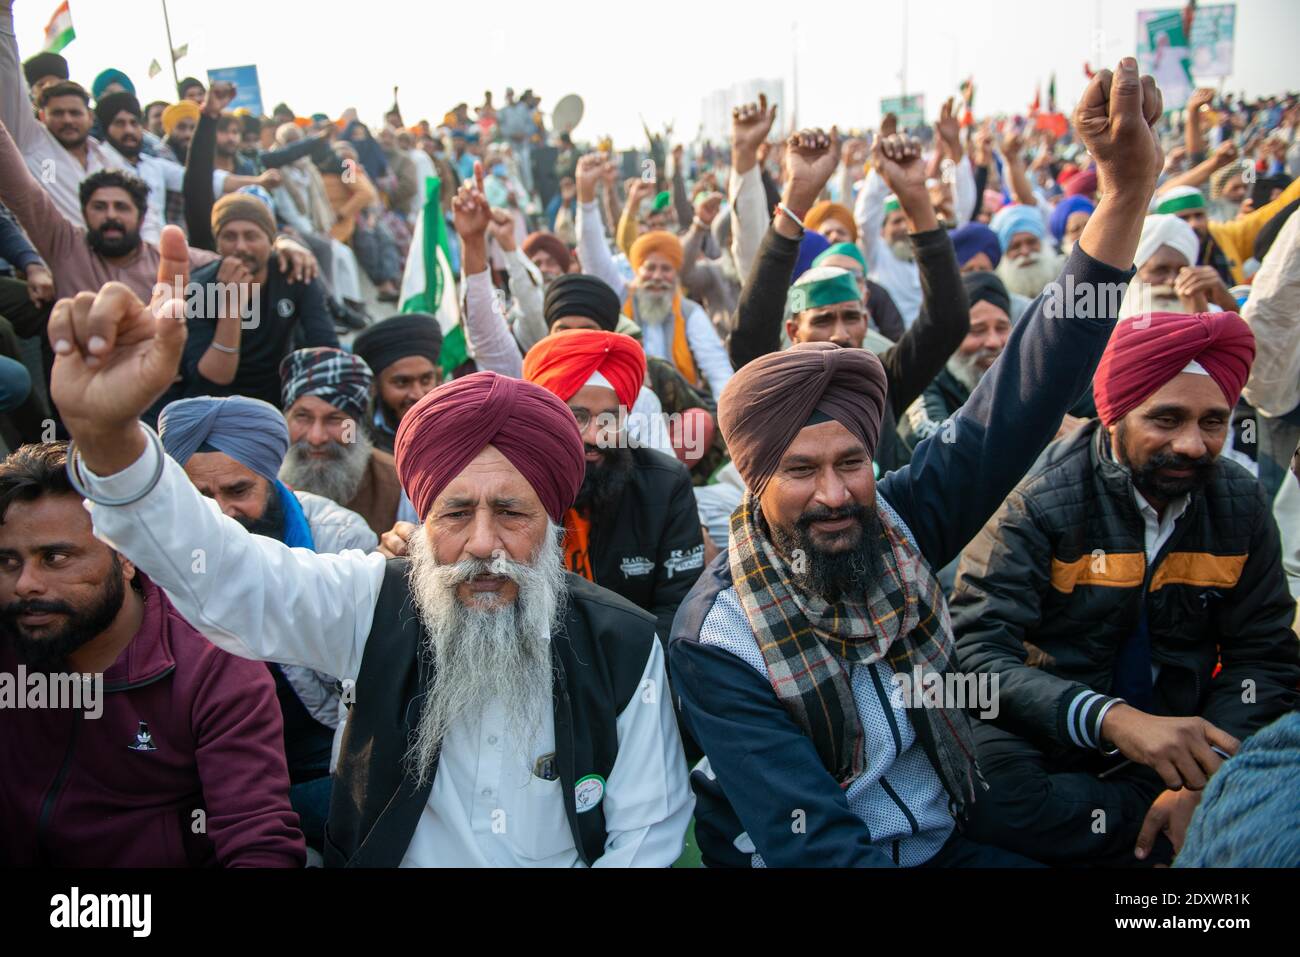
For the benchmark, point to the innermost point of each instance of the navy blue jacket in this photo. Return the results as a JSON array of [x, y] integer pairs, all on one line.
[[766, 767]]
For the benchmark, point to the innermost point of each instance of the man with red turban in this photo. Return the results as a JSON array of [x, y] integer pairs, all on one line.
[[632, 527], [672, 326], [815, 659], [1123, 597], [473, 737]]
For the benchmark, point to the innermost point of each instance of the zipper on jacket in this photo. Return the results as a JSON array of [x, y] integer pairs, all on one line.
[[47, 803]]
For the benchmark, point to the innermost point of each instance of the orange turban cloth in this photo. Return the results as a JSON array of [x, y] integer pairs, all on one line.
[[827, 210], [564, 362], [656, 241], [535, 431]]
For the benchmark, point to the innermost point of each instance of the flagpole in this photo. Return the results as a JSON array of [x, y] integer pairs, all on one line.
[[171, 50]]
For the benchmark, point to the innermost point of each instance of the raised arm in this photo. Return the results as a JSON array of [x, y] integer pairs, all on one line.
[[593, 249], [1194, 132], [15, 96], [751, 124], [810, 159], [944, 320], [249, 594], [1049, 360], [486, 332], [48, 229]]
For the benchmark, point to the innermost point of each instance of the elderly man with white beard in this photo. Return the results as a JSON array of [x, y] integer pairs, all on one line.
[[325, 393], [504, 712], [1028, 262], [1168, 279]]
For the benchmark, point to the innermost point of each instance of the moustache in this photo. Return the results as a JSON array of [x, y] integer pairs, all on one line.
[[500, 565], [1172, 460], [824, 514], [112, 224], [27, 606]]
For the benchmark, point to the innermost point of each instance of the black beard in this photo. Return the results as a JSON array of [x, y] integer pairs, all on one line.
[[50, 653], [127, 243], [1148, 480], [130, 152], [832, 575], [271, 524], [604, 482]]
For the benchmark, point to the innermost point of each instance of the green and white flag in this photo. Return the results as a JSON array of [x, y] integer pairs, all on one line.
[[59, 32], [428, 284]]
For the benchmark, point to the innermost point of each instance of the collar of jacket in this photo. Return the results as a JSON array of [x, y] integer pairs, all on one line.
[[149, 656]]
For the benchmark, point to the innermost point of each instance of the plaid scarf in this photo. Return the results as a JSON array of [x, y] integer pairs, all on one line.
[[806, 641]]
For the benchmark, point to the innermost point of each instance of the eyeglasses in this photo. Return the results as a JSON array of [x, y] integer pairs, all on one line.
[[584, 416]]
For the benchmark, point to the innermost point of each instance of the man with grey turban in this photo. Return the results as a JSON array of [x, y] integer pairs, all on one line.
[[231, 449], [814, 660]]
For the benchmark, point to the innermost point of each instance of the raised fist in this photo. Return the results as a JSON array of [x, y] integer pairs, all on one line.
[[751, 123], [1115, 119], [811, 157]]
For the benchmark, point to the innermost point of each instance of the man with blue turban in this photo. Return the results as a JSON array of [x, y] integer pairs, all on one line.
[[231, 449], [1068, 219], [1028, 264]]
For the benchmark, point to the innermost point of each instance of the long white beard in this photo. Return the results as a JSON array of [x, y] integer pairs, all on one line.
[[903, 251], [337, 477], [485, 652], [653, 307], [1028, 275], [1141, 297]]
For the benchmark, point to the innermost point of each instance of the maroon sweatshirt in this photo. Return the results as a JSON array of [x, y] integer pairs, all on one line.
[[184, 767]]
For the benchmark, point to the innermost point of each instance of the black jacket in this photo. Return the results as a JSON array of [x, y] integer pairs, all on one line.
[[651, 550], [925, 416], [1062, 566], [910, 364], [599, 658]]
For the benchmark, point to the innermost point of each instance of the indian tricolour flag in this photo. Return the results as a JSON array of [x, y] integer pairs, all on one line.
[[59, 32], [428, 284]]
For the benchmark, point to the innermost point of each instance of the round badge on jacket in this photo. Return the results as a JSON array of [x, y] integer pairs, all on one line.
[[588, 792]]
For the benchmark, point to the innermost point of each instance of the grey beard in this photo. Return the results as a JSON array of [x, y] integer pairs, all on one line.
[[903, 251], [965, 368], [1028, 275], [485, 653], [1142, 298], [337, 478], [653, 308]]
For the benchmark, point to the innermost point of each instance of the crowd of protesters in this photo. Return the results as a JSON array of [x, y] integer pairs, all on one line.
[[873, 497]]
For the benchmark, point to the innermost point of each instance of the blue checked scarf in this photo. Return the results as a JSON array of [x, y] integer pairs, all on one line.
[[807, 642]]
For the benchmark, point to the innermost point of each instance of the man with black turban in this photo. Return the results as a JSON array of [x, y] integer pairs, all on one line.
[[403, 352], [465, 714], [814, 660]]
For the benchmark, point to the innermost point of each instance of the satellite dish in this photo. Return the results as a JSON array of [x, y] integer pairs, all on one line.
[[567, 113]]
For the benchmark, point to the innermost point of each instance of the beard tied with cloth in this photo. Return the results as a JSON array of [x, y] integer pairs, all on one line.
[[808, 642], [563, 363], [437, 439], [1158, 230]]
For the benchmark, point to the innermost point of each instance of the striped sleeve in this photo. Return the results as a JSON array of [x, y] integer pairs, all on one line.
[[1084, 715]]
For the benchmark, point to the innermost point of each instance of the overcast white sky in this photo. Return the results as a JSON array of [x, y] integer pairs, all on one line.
[[657, 60]]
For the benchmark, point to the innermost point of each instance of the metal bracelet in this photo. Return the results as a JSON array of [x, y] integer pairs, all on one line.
[[73, 469], [228, 350], [783, 208]]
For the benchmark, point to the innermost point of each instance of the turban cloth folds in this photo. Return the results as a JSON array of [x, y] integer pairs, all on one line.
[[250, 431], [564, 361], [1146, 351], [531, 427], [769, 401]]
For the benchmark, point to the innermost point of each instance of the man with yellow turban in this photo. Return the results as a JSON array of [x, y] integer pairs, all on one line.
[[672, 326]]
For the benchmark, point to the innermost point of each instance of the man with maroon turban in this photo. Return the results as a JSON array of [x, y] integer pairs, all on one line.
[[473, 738], [632, 527], [1131, 562], [815, 659]]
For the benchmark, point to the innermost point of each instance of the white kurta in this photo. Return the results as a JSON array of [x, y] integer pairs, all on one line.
[[257, 598]]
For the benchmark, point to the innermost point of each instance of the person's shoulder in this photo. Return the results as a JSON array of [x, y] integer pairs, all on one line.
[[648, 462]]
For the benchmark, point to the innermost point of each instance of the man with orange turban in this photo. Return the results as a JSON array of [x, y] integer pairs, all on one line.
[[833, 221], [672, 326], [465, 711], [1123, 596], [632, 527]]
